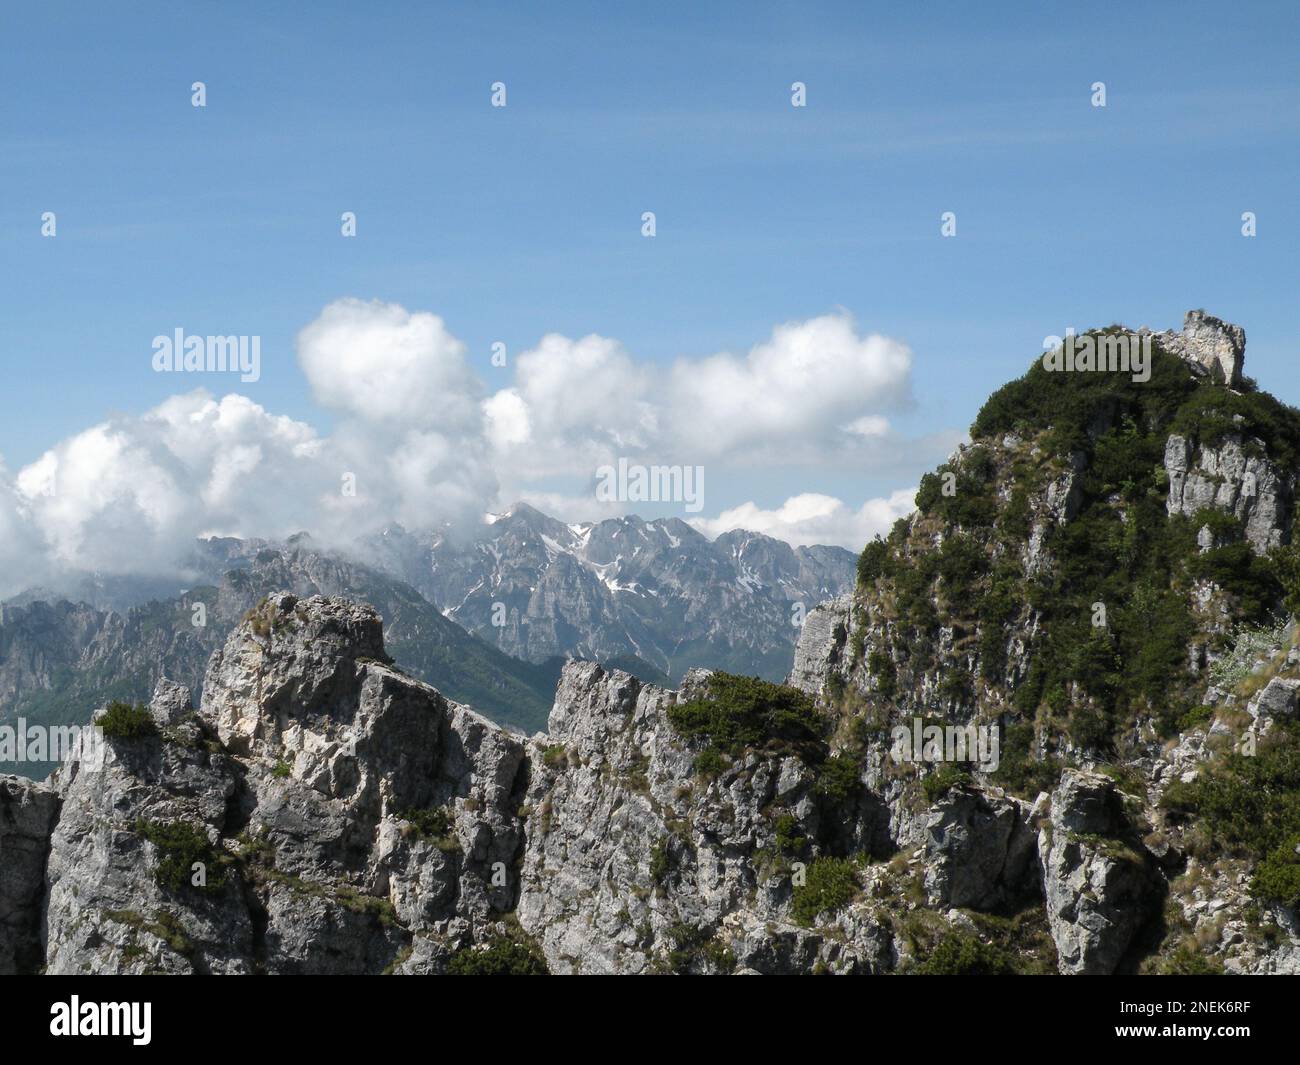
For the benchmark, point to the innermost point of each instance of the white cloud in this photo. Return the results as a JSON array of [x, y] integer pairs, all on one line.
[[815, 519], [426, 445], [379, 362], [789, 397], [814, 393], [133, 493], [574, 404]]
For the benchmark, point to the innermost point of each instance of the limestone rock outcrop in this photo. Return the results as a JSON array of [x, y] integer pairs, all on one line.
[[1210, 344], [27, 814], [1098, 882], [321, 812]]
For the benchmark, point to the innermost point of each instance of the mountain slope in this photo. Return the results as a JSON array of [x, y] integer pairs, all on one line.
[[623, 590], [1131, 802], [59, 661], [1105, 579]]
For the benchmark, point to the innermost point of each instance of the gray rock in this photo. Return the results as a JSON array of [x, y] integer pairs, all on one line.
[[1210, 344], [1098, 883], [1277, 699], [634, 863], [822, 645], [170, 703], [307, 758], [1235, 481], [27, 814], [981, 851]]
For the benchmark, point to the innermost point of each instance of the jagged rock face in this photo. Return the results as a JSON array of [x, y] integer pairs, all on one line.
[[982, 851], [296, 781], [822, 644], [624, 589], [288, 665], [1210, 344], [350, 819], [626, 846], [1230, 479], [105, 911], [1098, 881], [27, 814]]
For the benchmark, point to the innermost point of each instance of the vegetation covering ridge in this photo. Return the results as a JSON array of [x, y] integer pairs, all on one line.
[[1042, 580]]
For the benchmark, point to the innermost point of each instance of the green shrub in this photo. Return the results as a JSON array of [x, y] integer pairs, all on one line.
[[123, 721], [181, 846], [1244, 575], [1187, 962], [972, 504], [694, 947], [1277, 877], [709, 763], [962, 954], [501, 957], [1195, 718], [881, 667], [948, 776], [1286, 566], [829, 884], [1248, 804], [1019, 770], [871, 563], [739, 712], [788, 838], [434, 823], [1247, 645], [661, 863], [838, 778]]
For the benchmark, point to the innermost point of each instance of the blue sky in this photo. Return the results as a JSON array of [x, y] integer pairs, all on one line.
[[517, 222]]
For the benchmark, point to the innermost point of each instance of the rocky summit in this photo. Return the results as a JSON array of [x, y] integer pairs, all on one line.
[[1053, 729]]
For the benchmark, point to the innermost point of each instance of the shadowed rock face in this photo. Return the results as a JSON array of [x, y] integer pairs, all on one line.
[[27, 814], [323, 813], [293, 784]]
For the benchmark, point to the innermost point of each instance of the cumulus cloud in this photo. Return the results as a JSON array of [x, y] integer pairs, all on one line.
[[381, 363], [574, 404], [424, 444], [790, 397], [134, 492], [811, 518], [815, 392]]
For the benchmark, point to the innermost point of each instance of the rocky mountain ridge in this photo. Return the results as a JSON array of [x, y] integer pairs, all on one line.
[[1137, 664], [623, 590], [321, 812]]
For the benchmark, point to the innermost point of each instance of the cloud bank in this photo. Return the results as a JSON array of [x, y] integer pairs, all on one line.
[[808, 519], [418, 439]]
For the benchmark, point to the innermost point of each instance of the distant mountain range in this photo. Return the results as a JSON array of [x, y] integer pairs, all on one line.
[[653, 598], [656, 594], [60, 660]]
